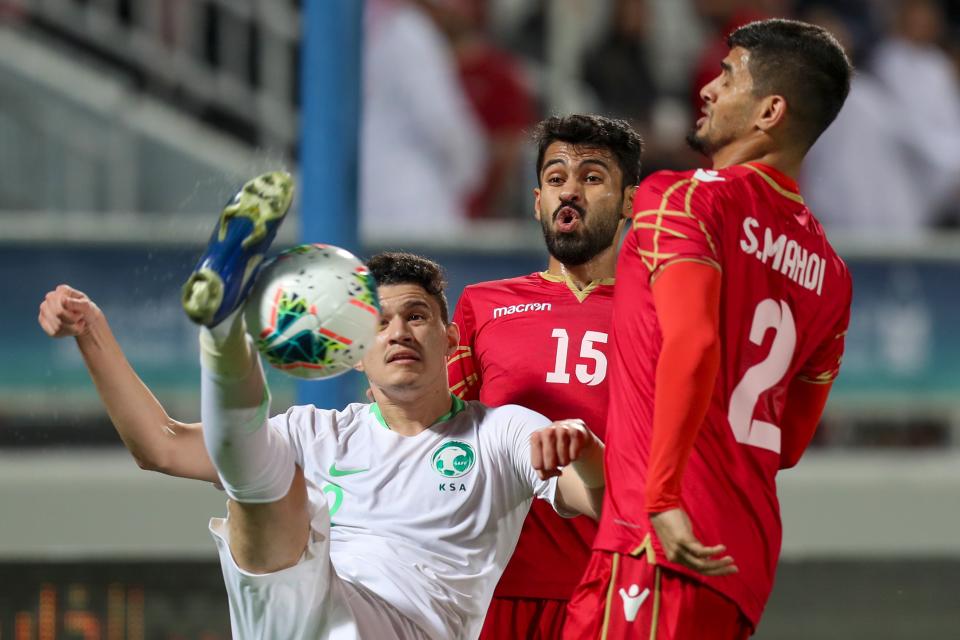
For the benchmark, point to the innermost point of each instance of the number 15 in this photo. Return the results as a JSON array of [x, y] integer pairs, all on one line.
[[559, 374]]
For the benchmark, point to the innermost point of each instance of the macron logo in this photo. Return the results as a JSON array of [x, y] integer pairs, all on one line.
[[520, 308], [632, 600], [708, 175]]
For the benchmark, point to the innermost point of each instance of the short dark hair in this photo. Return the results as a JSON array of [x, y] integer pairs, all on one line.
[[612, 134], [802, 62], [400, 267]]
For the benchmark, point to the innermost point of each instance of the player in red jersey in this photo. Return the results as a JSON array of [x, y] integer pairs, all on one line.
[[729, 321], [541, 341]]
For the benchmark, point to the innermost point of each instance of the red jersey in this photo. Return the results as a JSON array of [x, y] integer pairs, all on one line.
[[784, 309], [538, 342]]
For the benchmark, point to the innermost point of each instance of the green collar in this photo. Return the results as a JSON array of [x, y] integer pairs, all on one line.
[[456, 406]]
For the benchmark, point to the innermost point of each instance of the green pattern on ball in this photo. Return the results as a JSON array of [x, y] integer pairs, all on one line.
[[305, 348]]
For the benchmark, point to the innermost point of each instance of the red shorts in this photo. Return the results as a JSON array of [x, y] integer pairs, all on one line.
[[622, 597], [524, 619]]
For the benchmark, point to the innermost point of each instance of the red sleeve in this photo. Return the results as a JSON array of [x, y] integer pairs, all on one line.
[[687, 300], [824, 365], [801, 415], [462, 368], [674, 221]]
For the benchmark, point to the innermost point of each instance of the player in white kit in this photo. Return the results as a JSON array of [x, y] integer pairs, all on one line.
[[386, 520]]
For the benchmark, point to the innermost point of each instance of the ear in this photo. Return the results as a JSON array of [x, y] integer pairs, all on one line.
[[359, 366], [773, 113], [453, 338], [628, 195], [536, 203]]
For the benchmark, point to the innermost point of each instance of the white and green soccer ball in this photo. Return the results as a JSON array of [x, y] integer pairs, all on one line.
[[313, 311]]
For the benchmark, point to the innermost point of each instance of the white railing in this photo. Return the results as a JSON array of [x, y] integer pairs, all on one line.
[[76, 139], [237, 56]]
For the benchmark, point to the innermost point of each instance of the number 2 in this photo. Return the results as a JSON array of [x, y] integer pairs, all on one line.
[[337, 492], [776, 315], [559, 374]]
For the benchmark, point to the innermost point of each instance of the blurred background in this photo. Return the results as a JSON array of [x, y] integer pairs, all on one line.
[[126, 124]]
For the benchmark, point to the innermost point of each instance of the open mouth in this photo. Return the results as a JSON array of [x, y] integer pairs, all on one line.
[[402, 357], [567, 219], [703, 118]]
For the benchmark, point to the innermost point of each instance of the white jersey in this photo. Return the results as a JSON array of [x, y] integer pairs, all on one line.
[[426, 522]]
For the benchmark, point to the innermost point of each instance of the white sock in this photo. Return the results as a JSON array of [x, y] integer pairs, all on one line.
[[255, 462], [225, 349]]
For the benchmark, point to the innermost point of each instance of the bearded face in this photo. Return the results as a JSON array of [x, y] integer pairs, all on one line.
[[580, 203], [574, 236]]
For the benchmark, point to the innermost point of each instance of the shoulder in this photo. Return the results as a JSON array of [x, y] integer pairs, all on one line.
[[481, 298], [836, 265], [841, 272], [495, 287], [505, 431], [310, 422], [690, 191], [663, 182], [510, 417]]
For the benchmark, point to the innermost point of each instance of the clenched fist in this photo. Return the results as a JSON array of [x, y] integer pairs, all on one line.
[[67, 312], [558, 445]]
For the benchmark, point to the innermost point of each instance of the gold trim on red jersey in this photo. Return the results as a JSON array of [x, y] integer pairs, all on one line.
[[827, 377], [790, 195], [703, 227], [460, 389], [580, 294], [706, 261], [656, 258], [655, 615], [461, 353], [610, 591], [645, 547], [658, 226]]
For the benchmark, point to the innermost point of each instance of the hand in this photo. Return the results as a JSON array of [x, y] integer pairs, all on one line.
[[557, 445], [67, 312], [681, 547]]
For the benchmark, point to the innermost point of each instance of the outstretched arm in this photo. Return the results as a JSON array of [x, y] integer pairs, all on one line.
[[157, 441], [568, 449]]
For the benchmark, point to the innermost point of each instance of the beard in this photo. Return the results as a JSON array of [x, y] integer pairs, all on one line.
[[698, 143], [582, 245], [708, 144]]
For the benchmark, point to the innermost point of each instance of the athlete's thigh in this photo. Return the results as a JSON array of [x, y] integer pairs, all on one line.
[[702, 613], [586, 611], [290, 603], [524, 619], [625, 597]]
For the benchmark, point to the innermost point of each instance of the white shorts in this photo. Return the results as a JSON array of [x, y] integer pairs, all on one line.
[[308, 600]]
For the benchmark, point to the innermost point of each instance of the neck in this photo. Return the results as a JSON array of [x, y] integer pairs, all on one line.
[[409, 414], [740, 152], [601, 266]]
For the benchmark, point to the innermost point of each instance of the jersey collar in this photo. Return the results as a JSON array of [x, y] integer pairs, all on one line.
[[581, 294], [456, 406], [778, 181]]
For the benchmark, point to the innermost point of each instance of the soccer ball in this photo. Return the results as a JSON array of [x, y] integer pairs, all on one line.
[[313, 311]]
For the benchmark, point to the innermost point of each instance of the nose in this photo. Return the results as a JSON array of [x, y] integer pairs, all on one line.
[[398, 331], [570, 192], [708, 93]]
